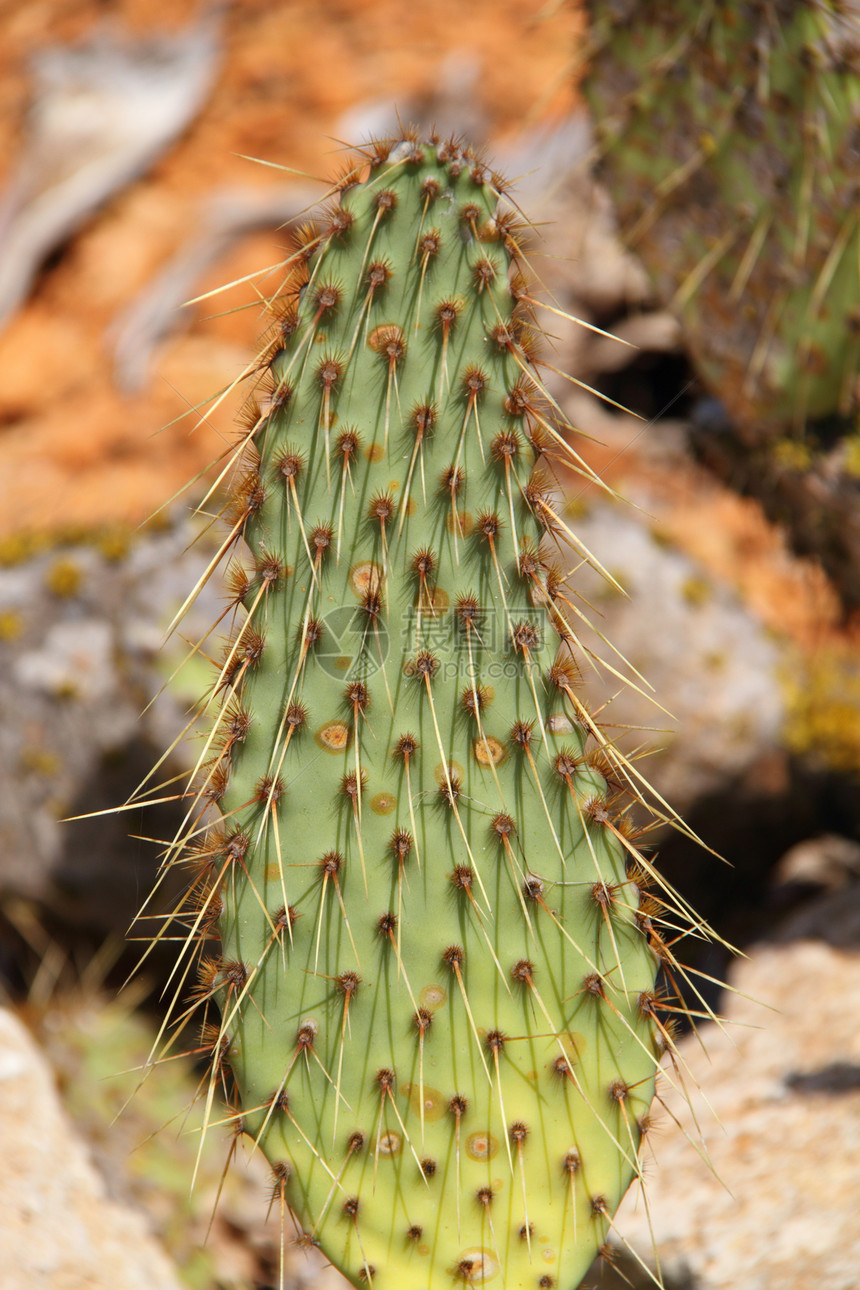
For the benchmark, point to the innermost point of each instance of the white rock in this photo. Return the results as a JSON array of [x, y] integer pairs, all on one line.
[[780, 1210], [712, 665], [78, 653], [59, 1230]]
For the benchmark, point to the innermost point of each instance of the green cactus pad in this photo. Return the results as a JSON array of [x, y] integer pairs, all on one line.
[[730, 141], [437, 961]]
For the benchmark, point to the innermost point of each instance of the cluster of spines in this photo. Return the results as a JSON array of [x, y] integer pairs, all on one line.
[[267, 459]]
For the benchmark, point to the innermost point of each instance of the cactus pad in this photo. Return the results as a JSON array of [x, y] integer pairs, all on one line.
[[730, 141], [434, 1000]]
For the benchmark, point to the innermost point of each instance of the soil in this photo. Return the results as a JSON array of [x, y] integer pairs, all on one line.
[[74, 452]]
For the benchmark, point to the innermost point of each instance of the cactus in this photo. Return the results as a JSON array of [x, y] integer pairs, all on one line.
[[434, 1004], [730, 141]]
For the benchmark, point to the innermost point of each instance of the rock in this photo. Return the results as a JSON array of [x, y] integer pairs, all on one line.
[[143, 1131], [656, 332], [833, 917], [59, 1230], [103, 111], [715, 707], [828, 861], [79, 660], [779, 1210]]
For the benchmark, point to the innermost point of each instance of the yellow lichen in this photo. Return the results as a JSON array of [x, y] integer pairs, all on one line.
[[662, 537], [696, 591], [64, 578], [66, 690], [113, 543], [618, 587], [823, 708], [792, 454], [15, 548], [577, 508], [11, 625], [40, 762], [851, 457]]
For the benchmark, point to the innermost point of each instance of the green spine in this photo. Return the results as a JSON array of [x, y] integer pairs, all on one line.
[[435, 987]]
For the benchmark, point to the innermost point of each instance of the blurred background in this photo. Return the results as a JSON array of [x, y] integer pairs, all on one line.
[[150, 152]]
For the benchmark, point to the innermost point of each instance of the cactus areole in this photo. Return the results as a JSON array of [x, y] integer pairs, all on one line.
[[434, 994]]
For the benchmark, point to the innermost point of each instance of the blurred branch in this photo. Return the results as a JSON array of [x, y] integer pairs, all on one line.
[[101, 113]]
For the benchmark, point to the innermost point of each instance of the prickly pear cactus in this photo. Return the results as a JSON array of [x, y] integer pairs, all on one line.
[[435, 984], [730, 140]]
